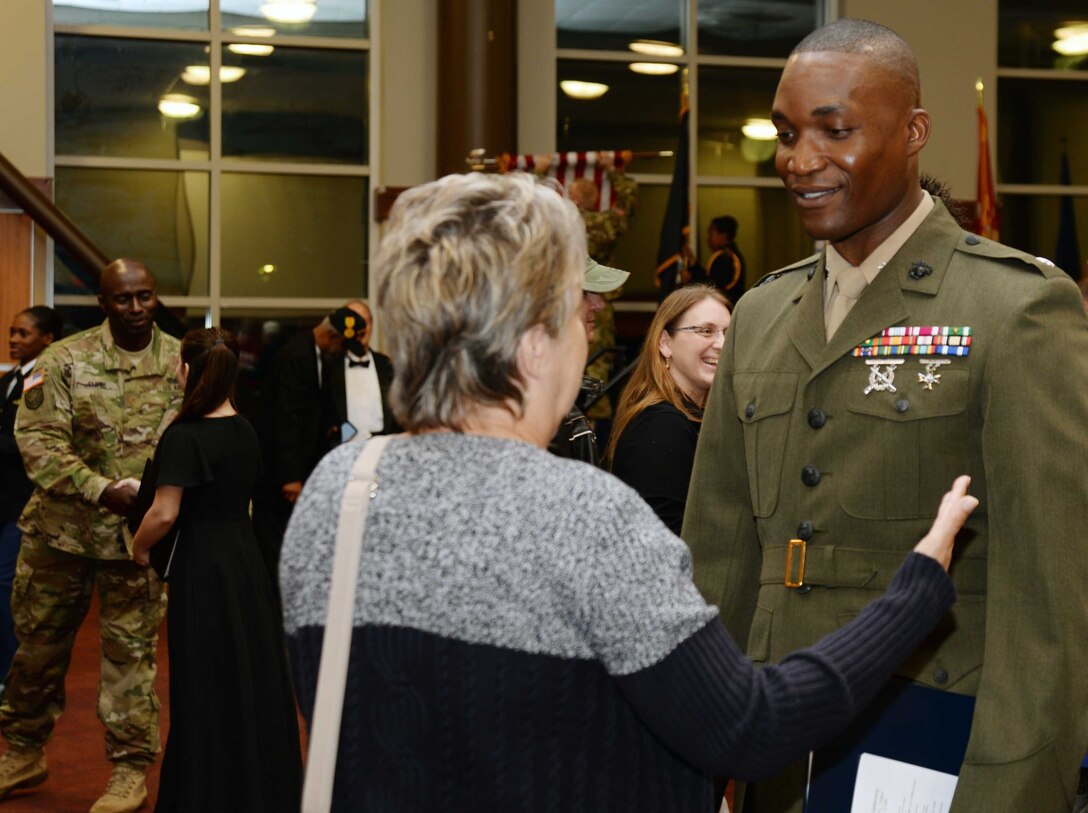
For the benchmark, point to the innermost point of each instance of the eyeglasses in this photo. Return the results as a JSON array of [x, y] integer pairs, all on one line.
[[702, 331]]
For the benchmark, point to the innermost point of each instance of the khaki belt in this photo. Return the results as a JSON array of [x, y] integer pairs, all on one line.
[[831, 566]]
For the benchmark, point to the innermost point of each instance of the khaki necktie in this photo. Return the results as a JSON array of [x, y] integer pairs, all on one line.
[[849, 283]]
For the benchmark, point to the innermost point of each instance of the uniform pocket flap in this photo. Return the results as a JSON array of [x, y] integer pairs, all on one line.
[[763, 395]]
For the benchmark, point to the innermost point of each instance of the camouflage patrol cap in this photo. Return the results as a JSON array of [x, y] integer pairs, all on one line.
[[600, 279]]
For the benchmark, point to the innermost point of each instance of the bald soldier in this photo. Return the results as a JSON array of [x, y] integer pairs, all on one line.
[[92, 413], [855, 383]]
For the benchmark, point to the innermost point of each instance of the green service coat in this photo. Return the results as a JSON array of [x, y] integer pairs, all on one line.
[[793, 447]]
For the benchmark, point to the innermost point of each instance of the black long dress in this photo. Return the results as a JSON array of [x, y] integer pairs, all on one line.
[[233, 743]]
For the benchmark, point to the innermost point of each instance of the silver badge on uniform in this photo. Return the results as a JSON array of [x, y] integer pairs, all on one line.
[[931, 376], [882, 374]]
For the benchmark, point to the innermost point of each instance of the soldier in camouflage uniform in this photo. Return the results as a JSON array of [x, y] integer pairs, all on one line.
[[603, 229], [92, 413]]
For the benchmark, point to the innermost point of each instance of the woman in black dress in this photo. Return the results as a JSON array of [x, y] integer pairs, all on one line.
[[233, 742], [652, 448]]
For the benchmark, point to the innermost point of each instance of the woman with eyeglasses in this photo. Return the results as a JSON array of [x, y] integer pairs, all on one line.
[[658, 418]]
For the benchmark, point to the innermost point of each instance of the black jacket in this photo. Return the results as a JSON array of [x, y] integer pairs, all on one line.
[[15, 486]]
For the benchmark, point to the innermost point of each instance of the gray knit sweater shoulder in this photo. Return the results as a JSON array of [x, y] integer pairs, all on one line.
[[497, 542]]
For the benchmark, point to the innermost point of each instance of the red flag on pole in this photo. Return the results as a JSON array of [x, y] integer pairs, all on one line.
[[986, 223]]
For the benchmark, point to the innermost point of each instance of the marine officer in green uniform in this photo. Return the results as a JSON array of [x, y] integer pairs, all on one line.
[[92, 412], [855, 384]]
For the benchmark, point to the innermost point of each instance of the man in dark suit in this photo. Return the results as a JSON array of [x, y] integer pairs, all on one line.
[[360, 383], [31, 332], [856, 384], [306, 409]]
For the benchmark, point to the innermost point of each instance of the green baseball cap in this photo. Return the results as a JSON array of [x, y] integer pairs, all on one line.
[[600, 279]]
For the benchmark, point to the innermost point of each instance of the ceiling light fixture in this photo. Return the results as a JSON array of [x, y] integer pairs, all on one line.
[[179, 106], [254, 31], [759, 130], [583, 90], [250, 49], [292, 12], [202, 74], [1072, 40], [655, 48], [654, 68]]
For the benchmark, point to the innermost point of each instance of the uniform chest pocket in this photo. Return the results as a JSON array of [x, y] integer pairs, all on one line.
[[905, 447], [764, 403]]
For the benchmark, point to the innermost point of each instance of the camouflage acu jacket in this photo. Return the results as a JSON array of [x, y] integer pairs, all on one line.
[[90, 417]]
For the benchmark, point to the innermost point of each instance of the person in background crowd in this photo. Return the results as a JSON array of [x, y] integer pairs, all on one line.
[[853, 383], [725, 268], [233, 742], [575, 438], [301, 421], [525, 628], [32, 330], [603, 232], [360, 390], [661, 409], [92, 411]]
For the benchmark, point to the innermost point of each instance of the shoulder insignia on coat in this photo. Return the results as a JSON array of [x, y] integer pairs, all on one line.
[[981, 247], [809, 263]]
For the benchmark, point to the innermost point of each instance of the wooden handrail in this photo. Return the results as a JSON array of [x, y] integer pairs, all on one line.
[[55, 222], [67, 234]]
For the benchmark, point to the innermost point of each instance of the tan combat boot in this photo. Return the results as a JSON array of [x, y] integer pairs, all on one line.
[[21, 768], [125, 792]]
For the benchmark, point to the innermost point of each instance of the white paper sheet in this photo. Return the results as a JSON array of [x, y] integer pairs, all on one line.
[[889, 786]]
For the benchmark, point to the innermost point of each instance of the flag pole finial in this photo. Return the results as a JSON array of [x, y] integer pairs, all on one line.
[[979, 88]]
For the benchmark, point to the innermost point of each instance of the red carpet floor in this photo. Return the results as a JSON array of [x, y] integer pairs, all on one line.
[[78, 768]]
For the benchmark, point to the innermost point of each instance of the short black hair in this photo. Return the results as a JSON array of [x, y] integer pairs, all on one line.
[[46, 320], [727, 225], [854, 36]]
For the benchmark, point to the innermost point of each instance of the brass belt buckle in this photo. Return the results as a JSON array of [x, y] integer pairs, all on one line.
[[795, 543]]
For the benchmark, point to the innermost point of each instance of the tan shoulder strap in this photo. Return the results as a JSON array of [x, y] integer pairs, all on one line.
[[336, 645]]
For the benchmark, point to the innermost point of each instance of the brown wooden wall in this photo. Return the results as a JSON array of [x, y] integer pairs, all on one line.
[[16, 238]]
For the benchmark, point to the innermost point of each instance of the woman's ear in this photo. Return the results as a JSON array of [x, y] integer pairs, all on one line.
[[664, 344], [533, 354]]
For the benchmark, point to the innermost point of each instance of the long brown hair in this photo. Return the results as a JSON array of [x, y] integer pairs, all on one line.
[[212, 356], [651, 382]]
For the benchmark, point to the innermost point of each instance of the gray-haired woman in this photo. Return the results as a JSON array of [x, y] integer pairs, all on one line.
[[526, 634]]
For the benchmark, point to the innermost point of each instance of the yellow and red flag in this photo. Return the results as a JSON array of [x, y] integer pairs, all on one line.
[[986, 221]]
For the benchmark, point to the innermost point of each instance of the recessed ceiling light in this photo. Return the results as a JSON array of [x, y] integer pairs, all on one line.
[[655, 48], [759, 130], [254, 31], [654, 68], [179, 106], [250, 49], [583, 90], [292, 12], [202, 74]]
